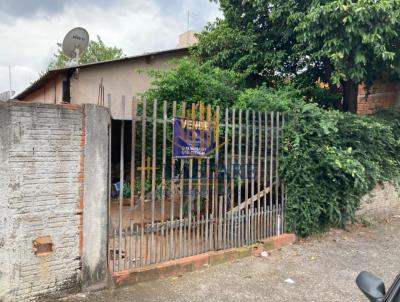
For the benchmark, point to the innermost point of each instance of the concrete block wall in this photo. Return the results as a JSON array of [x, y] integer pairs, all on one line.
[[382, 203], [42, 194]]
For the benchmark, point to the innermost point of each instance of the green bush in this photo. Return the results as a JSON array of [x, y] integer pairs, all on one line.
[[330, 159], [269, 99], [193, 82]]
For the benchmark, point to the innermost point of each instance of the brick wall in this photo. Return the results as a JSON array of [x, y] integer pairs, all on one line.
[[381, 96], [41, 194]]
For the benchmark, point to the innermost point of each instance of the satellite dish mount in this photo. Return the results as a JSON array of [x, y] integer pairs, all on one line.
[[75, 43]]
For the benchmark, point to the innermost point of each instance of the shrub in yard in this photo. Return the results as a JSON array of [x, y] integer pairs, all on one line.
[[193, 82]]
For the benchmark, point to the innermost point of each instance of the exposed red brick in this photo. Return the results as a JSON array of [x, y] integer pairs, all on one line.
[[181, 266], [381, 96], [284, 239]]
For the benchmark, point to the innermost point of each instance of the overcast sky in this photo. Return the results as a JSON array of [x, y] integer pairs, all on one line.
[[31, 29]]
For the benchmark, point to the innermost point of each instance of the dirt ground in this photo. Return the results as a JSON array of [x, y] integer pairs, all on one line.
[[323, 269]]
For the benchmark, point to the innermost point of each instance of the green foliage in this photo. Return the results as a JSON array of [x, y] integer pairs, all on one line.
[[192, 82], [284, 97], [340, 42], [231, 49], [97, 51], [358, 38], [269, 99], [330, 159]]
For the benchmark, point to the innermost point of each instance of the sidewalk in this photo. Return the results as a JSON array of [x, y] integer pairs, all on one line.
[[323, 269]]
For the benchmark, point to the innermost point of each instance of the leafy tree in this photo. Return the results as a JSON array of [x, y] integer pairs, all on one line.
[[97, 51], [340, 42], [355, 41]]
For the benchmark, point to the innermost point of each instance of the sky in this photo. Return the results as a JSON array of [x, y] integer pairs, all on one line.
[[31, 29]]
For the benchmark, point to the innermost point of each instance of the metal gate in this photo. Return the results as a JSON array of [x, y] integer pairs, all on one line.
[[187, 179]]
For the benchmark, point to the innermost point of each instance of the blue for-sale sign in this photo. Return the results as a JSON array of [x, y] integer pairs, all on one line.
[[192, 139]]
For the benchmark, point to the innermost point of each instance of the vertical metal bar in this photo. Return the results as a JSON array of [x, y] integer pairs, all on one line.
[[259, 175], [109, 222], [182, 174], [190, 193], [190, 203], [167, 232], [193, 249], [172, 249], [121, 179], [163, 182], [265, 169], [247, 178], [213, 213], [267, 222], [143, 178], [136, 245], [147, 231], [203, 233], [211, 222], [125, 247], [153, 180], [172, 238], [244, 226], [283, 201], [130, 244], [225, 173], [208, 178], [157, 243], [232, 174], [133, 172], [253, 146], [251, 210], [277, 185], [185, 252], [240, 166], [271, 164], [279, 221], [140, 248], [114, 249], [275, 219], [216, 170], [220, 204], [133, 158], [199, 170]]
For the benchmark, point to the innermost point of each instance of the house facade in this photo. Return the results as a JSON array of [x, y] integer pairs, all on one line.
[[93, 83]]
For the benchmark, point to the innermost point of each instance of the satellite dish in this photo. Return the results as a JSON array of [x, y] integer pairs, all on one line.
[[75, 43]]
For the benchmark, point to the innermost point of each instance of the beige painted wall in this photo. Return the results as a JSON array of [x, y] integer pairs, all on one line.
[[119, 79]]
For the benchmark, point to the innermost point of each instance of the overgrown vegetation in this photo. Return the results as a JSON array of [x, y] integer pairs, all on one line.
[[303, 58], [331, 159]]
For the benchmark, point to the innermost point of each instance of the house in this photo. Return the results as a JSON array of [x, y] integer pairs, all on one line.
[[93, 83]]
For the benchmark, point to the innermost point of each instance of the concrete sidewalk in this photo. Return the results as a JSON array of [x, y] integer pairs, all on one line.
[[323, 269]]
